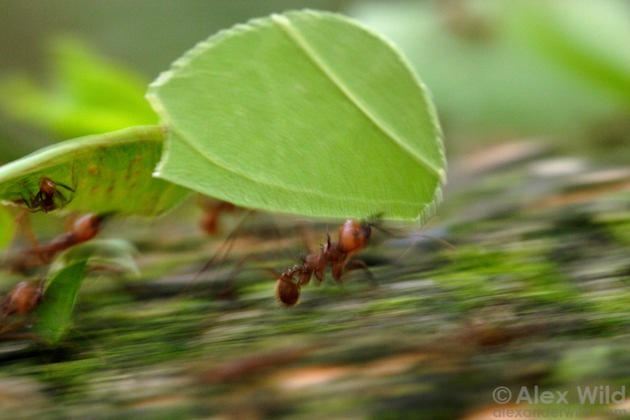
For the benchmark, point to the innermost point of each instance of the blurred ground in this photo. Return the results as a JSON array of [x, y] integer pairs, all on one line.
[[534, 292]]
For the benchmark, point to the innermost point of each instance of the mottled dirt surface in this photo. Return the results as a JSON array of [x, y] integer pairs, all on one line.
[[530, 295]]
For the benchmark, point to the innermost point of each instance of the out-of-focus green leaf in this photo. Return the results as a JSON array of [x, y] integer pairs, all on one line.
[[486, 74], [87, 94], [109, 254], [600, 55], [305, 112], [55, 312], [108, 172]]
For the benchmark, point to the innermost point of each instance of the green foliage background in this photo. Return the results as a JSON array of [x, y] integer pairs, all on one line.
[[495, 68]]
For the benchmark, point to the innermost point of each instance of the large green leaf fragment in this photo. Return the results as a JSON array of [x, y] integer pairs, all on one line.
[[305, 112], [101, 173]]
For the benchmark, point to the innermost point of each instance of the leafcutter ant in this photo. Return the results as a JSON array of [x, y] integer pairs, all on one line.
[[353, 236], [84, 229], [48, 198]]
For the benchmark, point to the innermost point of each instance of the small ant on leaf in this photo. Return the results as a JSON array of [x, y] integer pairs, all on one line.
[[353, 236], [48, 198], [20, 301]]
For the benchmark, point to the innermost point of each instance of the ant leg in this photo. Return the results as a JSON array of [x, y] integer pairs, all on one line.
[[419, 236], [6, 331], [361, 265], [14, 260], [228, 289], [307, 236], [59, 184], [220, 254], [12, 326], [23, 222], [59, 196], [28, 202], [226, 246]]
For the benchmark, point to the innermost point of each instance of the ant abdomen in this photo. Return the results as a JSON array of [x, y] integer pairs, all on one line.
[[22, 299], [287, 292]]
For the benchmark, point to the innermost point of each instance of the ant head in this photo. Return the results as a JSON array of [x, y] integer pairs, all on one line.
[[88, 226], [354, 235], [48, 187]]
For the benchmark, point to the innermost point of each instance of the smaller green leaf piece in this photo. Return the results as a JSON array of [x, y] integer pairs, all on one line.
[[116, 255], [54, 314], [304, 112], [101, 173]]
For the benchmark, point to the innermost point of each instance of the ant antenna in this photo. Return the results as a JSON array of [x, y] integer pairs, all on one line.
[[429, 224]]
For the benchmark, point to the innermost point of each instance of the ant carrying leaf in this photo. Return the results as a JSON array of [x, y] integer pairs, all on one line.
[[353, 236], [336, 252]]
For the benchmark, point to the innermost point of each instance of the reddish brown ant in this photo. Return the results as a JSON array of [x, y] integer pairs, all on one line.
[[48, 198], [84, 229], [20, 301], [353, 236]]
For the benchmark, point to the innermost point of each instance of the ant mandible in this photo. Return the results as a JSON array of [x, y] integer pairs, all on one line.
[[48, 198], [353, 236]]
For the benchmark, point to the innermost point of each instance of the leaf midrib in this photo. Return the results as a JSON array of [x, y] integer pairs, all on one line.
[[293, 33]]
